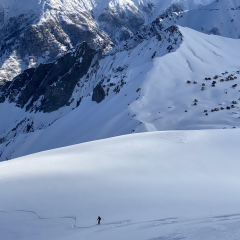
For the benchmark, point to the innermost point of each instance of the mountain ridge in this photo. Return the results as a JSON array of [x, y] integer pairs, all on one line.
[[41, 31]]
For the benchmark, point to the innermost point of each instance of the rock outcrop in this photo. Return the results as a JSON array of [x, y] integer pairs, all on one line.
[[98, 94]]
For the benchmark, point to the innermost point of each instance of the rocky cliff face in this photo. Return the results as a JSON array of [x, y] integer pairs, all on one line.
[[121, 24], [49, 86]]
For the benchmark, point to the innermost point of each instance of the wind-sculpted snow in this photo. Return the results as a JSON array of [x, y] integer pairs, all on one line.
[[163, 185]]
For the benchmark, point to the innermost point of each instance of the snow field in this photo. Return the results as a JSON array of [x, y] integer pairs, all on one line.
[[162, 185]]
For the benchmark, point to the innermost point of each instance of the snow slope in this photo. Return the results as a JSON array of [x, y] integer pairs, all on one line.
[[155, 97], [163, 185]]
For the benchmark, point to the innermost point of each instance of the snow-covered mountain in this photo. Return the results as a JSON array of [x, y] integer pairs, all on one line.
[[39, 31], [140, 87], [153, 80], [163, 185]]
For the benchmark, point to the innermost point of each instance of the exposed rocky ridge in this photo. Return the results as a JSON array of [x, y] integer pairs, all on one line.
[[156, 28], [121, 25]]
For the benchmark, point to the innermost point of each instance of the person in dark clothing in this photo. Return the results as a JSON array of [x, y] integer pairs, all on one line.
[[99, 219]]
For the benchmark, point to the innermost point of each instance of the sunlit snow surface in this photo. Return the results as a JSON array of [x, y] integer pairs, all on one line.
[[158, 186]]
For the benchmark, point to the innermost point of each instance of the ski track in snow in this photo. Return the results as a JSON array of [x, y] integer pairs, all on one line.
[[42, 218], [214, 223], [122, 223]]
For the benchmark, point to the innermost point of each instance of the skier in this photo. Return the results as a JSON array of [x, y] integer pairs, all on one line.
[[99, 219]]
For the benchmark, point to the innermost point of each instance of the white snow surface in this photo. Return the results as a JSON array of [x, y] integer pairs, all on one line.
[[159, 186]]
